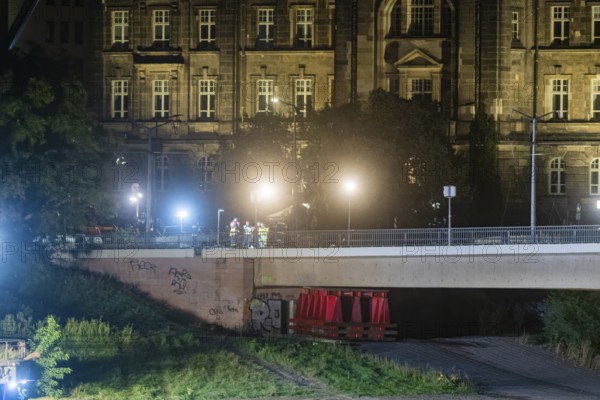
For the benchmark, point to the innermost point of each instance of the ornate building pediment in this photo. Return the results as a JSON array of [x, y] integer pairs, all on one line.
[[417, 59]]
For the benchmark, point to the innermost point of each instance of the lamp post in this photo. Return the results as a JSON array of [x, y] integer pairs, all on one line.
[[181, 214], [263, 193], [296, 111], [219, 211], [449, 193], [533, 119], [135, 197], [350, 187], [151, 164], [136, 200]]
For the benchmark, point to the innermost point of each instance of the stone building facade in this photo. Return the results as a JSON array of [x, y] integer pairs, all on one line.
[[181, 76]]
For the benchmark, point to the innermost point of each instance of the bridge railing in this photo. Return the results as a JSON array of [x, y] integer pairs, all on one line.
[[366, 238]]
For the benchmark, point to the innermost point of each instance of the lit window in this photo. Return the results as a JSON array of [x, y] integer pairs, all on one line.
[[515, 26], [161, 173], [265, 94], [120, 99], [266, 27], [207, 29], [304, 27], [596, 99], [160, 93], [560, 25], [120, 29], [594, 176], [557, 176], [207, 97], [560, 98], [421, 17], [162, 27], [304, 95], [421, 89]]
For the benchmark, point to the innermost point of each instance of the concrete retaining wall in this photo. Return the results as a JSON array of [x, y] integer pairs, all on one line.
[[216, 290]]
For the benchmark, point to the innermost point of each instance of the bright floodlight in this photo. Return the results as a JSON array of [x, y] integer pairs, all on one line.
[[267, 191], [133, 199], [350, 186], [182, 214]]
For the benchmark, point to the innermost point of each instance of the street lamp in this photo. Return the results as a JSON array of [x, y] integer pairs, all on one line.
[[219, 211], [350, 187], [135, 199], [181, 214], [534, 118], [294, 145], [263, 193]]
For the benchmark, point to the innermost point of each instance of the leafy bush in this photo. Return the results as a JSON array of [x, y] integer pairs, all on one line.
[[94, 339], [46, 343], [572, 324]]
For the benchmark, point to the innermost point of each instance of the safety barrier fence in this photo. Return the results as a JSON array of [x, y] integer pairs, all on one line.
[[351, 238], [343, 314]]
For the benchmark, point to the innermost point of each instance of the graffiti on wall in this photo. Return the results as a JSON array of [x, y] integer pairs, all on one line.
[[140, 265], [179, 280], [266, 314], [218, 312]]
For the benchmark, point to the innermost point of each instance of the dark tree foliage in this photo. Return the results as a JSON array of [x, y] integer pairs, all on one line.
[[572, 324], [55, 163], [484, 176], [397, 151], [258, 156]]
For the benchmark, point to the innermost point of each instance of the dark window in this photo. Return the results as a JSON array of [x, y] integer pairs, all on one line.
[[64, 32], [49, 2], [49, 31], [396, 20], [78, 32], [78, 3], [64, 3]]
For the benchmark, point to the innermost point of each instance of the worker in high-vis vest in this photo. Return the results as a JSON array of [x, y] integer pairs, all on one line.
[[263, 235], [234, 228]]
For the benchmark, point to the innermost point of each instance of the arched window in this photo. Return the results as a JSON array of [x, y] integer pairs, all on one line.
[[395, 20], [557, 176], [594, 176]]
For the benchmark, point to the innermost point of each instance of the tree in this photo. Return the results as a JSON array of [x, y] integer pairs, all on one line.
[[260, 154], [400, 151], [55, 160], [484, 176], [44, 343]]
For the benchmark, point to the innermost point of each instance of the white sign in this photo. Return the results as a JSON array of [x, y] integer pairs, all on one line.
[[449, 191]]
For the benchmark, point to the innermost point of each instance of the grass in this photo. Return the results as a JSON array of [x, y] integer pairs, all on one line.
[[347, 371], [210, 374], [125, 346]]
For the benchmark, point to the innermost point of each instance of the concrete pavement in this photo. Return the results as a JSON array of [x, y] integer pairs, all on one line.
[[501, 367]]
